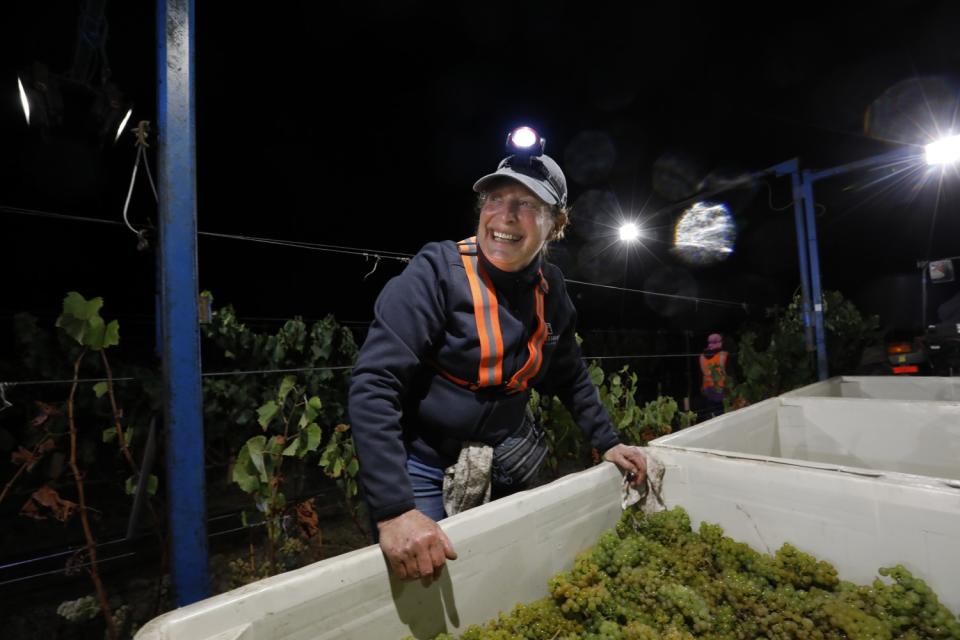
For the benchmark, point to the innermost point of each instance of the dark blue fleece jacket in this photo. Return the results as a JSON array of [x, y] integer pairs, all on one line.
[[424, 318]]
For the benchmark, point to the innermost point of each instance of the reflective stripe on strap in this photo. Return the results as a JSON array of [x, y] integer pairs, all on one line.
[[486, 311], [530, 369], [487, 314], [454, 379]]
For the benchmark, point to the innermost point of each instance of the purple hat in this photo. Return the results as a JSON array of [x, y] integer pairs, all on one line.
[[714, 341]]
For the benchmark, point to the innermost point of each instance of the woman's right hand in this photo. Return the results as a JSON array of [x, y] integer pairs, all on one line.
[[415, 546]]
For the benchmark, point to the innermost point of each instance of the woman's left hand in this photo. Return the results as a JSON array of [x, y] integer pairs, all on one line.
[[630, 460]]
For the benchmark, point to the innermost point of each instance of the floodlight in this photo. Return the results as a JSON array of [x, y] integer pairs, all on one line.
[[945, 151], [629, 232]]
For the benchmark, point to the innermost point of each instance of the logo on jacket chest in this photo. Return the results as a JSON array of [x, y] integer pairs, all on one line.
[[551, 336]]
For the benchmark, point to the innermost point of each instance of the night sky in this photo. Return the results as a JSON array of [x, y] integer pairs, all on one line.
[[364, 124]]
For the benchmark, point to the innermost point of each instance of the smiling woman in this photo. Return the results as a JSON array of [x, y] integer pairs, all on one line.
[[438, 402], [515, 225], [522, 207]]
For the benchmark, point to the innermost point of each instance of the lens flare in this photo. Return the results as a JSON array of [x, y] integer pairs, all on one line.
[[24, 101], [944, 151], [123, 124], [629, 232], [704, 234]]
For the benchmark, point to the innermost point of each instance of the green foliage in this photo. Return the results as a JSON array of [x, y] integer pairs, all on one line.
[[339, 461], [152, 484], [38, 415], [618, 395], [775, 360], [287, 426], [245, 570], [79, 610], [636, 423], [288, 420], [233, 404], [299, 415], [687, 419], [266, 413], [81, 321], [565, 441]]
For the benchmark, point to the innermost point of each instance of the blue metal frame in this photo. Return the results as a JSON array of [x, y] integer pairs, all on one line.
[[180, 333], [807, 179], [806, 224], [792, 167], [809, 258], [816, 295], [801, 225]]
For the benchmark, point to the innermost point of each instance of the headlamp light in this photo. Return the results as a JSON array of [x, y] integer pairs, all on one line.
[[529, 165], [525, 143]]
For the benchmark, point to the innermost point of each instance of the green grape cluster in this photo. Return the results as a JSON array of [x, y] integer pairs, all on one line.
[[803, 570], [653, 578], [686, 602]]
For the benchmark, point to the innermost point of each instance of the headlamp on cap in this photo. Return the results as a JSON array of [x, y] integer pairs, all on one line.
[[524, 143], [531, 167]]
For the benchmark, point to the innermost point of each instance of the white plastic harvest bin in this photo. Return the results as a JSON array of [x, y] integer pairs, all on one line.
[[508, 549], [883, 388], [860, 483], [867, 437]]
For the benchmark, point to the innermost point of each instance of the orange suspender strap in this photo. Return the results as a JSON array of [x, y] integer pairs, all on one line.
[[527, 372], [487, 314], [473, 386]]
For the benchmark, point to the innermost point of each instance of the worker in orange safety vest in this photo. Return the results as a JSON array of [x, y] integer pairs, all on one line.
[[713, 367]]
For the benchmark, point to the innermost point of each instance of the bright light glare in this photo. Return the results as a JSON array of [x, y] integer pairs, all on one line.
[[629, 232], [123, 124], [24, 101], [705, 233], [943, 151], [524, 137]]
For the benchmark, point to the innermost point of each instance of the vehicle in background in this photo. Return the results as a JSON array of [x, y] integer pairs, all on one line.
[[898, 353]]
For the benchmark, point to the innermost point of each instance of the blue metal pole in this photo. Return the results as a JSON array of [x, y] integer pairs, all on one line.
[[801, 226], [183, 405], [806, 187], [792, 167]]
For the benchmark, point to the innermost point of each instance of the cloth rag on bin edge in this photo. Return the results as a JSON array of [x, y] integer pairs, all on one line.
[[649, 493]]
